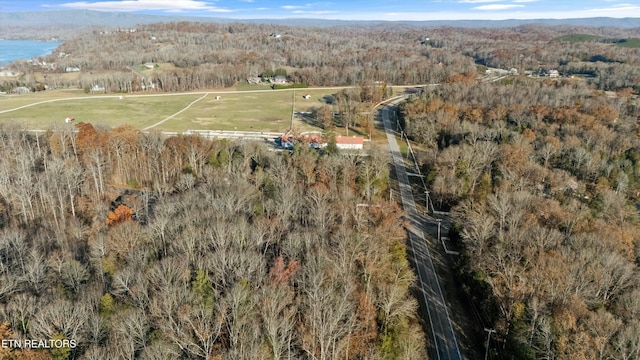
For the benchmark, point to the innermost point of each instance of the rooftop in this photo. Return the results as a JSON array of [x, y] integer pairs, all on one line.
[[350, 140]]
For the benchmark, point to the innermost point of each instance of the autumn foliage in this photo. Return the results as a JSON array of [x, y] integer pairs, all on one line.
[[7, 353], [230, 255], [544, 179], [280, 273], [119, 215]]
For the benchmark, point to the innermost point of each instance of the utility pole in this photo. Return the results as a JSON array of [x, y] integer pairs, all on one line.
[[486, 355], [293, 106], [426, 201], [439, 221]]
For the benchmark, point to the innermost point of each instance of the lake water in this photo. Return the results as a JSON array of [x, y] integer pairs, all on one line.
[[12, 50]]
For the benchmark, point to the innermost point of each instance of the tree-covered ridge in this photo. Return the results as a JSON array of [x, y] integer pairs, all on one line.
[[188, 56], [544, 177], [137, 246]]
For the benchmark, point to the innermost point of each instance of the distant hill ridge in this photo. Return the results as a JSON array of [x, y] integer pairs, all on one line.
[[92, 18], [62, 23]]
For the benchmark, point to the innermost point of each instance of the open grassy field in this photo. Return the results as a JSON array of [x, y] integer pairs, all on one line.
[[245, 111], [245, 86], [13, 101], [108, 110], [575, 38], [629, 43]]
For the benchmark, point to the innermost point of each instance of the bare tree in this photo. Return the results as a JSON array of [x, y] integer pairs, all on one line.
[[19, 310], [278, 319], [34, 272], [626, 345], [60, 317], [132, 332], [73, 275], [328, 313]]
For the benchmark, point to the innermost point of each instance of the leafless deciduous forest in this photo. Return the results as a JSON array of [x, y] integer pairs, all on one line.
[[544, 176], [213, 55], [142, 247], [205, 55]]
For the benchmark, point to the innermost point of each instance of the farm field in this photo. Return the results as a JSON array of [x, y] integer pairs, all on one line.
[[244, 111], [13, 101], [247, 111], [138, 112]]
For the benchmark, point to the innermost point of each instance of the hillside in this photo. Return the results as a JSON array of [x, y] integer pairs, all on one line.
[[185, 56], [63, 24]]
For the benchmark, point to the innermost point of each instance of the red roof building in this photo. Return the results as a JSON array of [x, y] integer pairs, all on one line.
[[349, 142]]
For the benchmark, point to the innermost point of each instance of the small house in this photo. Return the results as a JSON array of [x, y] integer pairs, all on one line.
[[553, 73], [280, 80], [349, 142], [306, 96], [218, 97]]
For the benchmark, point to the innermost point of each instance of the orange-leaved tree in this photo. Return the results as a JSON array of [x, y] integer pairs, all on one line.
[[5, 334], [280, 273], [119, 215]]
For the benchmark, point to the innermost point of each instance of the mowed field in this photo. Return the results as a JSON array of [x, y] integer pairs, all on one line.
[[235, 110], [247, 111], [138, 112]]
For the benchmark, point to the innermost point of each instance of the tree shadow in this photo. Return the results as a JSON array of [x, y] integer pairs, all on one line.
[[328, 99], [310, 117], [413, 90], [353, 131]]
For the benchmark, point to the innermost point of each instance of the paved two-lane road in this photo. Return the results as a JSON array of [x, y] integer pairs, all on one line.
[[445, 344]]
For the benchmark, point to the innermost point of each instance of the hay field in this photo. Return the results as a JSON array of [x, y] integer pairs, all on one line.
[[236, 110], [111, 111], [247, 111]]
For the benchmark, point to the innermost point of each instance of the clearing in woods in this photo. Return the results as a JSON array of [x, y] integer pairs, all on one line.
[[266, 110]]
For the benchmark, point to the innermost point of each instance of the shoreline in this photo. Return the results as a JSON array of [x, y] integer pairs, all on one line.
[[14, 50]]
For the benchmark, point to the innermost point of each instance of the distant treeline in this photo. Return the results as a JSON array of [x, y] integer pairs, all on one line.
[[203, 55], [188, 56]]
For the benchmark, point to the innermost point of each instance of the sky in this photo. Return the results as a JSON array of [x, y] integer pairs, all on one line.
[[391, 10]]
